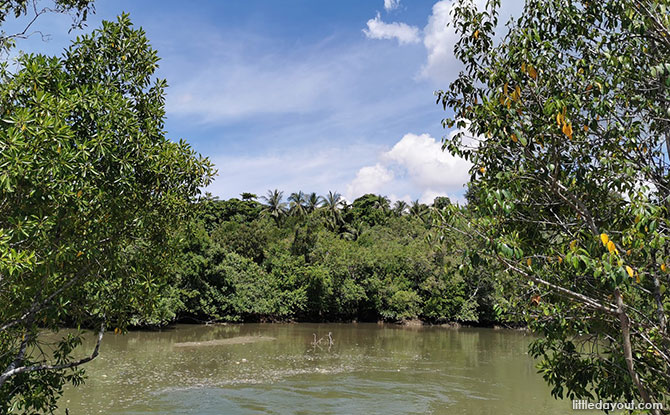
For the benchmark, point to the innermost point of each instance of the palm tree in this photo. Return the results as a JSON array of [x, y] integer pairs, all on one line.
[[313, 202], [297, 202], [383, 203], [332, 204], [418, 209], [352, 232], [274, 206], [400, 207]]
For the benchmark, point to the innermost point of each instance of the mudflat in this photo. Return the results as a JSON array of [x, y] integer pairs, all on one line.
[[230, 340]]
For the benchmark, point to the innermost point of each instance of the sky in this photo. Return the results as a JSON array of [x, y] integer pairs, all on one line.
[[302, 94]]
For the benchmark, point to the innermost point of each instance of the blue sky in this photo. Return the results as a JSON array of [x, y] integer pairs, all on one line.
[[302, 94]]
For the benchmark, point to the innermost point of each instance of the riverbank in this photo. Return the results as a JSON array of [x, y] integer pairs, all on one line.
[[413, 323]]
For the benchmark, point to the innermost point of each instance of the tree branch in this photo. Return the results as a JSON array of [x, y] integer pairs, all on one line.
[[23, 369]]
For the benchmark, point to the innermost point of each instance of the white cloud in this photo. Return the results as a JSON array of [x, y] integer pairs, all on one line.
[[242, 89], [391, 4], [426, 164], [416, 165], [228, 85], [439, 40], [404, 33], [310, 169], [438, 36], [369, 179]]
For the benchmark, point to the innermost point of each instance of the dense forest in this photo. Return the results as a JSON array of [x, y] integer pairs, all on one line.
[[318, 258]]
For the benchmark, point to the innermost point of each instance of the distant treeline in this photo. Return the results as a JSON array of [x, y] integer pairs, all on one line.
[[318, 258]]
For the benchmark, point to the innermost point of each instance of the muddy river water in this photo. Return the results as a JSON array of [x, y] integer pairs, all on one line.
[[277, 369]]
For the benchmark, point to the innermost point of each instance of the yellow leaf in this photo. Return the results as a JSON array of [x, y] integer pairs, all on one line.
[[523, 67], [79, 193], [586, 128], [664, 268], [532, 72], [558, 119], [514, 138], [529, 262], [567, 130], [573, 244], [535, 299], [505, 88], [482, 170], [604, 238], [79, 254], [611, 247], [630, 272], [637, 278], [629, 252], [476, 34], [560, 259], [23, 127]]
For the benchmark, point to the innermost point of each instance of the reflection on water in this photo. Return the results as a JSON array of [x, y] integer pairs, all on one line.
[[370, 369]]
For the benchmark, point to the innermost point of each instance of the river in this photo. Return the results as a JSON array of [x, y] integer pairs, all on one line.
[[276, 369]]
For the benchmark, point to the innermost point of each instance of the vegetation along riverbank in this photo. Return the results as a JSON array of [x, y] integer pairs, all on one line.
[[314, 258]]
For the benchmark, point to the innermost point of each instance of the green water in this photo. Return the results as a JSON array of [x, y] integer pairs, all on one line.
[[371, 369]]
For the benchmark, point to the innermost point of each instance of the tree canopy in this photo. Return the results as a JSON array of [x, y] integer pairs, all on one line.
[[570, 181], [92, 191], [241, 264]]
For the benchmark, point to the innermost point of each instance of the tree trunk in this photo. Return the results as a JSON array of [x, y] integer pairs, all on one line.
[[628, 350]]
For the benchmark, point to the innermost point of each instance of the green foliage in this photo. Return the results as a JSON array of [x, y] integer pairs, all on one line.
[[92, 192], [304, 268], [246, 239], [569, 188], [441, 202], [213, 211], [369, 209]]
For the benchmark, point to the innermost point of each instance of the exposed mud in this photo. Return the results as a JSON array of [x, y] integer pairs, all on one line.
[[231, 340]]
